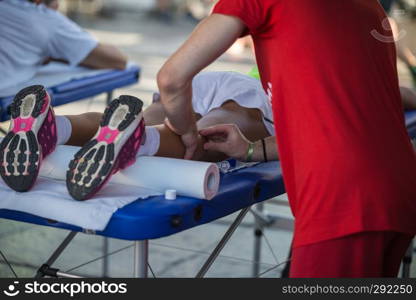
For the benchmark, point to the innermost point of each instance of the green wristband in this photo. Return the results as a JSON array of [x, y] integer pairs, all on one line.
[[250, 151]]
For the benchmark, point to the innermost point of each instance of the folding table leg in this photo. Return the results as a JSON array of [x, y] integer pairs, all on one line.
[[258, 234], [141, 258], [55, 255], [407, 261], [105, 259], [109, 97], [222, 243]]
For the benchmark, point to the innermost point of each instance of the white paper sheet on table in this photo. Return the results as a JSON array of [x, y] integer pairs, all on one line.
[[49, 197]]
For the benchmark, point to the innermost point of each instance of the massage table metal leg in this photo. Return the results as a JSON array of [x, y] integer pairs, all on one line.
[[222, 243], [407, 261], [264, 220], [60, 274], [46, 267], [258, 234], [141, 258], [105, 255], [109, 97]]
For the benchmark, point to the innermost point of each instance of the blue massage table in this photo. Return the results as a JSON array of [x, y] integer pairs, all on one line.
[[411, 123], [157, 217]]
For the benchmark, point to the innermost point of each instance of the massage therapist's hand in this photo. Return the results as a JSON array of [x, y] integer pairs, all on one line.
[[226, 138], [189, 139]]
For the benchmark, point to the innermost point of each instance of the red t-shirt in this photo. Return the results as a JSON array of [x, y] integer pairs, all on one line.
[[330, 71]]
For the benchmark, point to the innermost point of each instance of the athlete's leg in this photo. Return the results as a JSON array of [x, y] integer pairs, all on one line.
[[154, 114], [249, 120], [83, 127]]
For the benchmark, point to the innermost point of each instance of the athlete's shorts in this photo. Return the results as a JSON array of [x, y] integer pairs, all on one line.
[[212, 89]]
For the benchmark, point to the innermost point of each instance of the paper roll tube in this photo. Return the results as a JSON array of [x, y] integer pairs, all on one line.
[[189, 178]]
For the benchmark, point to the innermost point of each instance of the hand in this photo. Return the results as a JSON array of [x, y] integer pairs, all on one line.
[[189, 140], [227, 139]]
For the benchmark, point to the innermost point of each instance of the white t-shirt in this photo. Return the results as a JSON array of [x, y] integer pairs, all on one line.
[[211, 89], [31, 33]]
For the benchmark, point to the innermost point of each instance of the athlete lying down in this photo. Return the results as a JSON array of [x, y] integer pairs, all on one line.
[[112, 141]]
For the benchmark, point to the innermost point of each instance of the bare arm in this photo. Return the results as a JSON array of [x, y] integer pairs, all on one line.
[[209, 40], [270, 148], [105, 56]]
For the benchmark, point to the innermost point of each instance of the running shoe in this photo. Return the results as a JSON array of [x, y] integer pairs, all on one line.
[[32, 136], [114, 147]]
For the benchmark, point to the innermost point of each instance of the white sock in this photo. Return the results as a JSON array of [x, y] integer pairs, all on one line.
[[63, 129], [149, 148], [151, 144]]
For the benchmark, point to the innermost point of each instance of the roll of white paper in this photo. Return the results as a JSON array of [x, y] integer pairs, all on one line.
[[188, 178]]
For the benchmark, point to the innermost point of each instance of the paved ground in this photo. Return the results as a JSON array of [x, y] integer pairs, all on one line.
[[149, 43]]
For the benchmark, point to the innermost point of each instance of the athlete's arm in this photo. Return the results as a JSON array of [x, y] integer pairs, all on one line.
[[105, 56]]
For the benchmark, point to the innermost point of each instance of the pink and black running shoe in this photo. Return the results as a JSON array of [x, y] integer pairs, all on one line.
[[114, 147], [32, 136]]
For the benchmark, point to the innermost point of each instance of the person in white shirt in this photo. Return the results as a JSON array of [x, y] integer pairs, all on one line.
[[33, 33]]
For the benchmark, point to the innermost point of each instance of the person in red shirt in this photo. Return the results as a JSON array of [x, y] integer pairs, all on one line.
[[348, 164]]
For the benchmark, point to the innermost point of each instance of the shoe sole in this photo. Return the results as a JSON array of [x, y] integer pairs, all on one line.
[[31, 137], [114, 147]]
